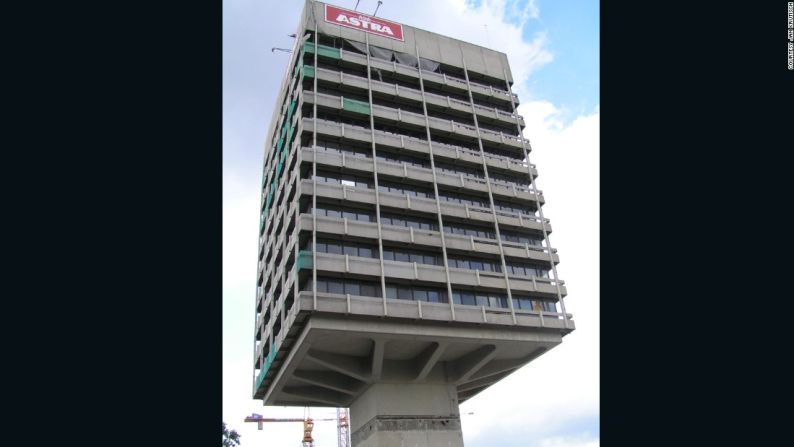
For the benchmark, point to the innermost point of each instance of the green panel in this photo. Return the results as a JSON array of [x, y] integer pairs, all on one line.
[[284, 154], [291, 109], [289, 134], [263, 372], [279, 166], [269, 199], [323, 50], [352, 105], [304, 260], [308, 71], [280, 143]]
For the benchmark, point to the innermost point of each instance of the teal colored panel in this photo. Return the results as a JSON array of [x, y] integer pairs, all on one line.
[[291, 109], [279, 167], [280, 143], [323, 50], [308, 71], [304, 260], [355, 106], [263, 372], [289, 133], [284, 154]]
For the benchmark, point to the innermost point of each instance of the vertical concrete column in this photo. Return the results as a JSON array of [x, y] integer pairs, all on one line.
[[403, 415]]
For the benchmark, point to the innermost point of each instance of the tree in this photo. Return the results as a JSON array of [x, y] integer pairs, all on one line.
[[230, 437]]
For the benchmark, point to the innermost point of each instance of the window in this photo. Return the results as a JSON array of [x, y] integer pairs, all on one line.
[[335, 286], [334, 248], [352, 288], [368, 289], [346, 286], [416, 293], [468, 298], [433, 296]]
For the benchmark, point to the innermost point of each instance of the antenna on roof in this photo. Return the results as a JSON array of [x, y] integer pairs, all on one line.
[[356, 5], [376, 8]]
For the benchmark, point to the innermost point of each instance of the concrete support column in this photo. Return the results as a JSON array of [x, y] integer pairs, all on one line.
[[406, 415]]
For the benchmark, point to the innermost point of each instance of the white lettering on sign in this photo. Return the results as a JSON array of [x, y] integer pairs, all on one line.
[[353, 19]]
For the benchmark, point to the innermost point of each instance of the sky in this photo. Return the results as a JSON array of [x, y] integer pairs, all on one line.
[[553, 50]]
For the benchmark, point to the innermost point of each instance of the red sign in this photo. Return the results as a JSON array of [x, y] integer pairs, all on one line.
[[362, 22]]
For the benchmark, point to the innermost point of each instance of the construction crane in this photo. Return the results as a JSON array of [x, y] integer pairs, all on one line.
[[308, 426]]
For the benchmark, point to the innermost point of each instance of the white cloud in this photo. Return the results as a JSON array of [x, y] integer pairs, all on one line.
[[464, 22]]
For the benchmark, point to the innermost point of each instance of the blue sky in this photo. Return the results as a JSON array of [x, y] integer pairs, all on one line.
[[572, 30], [553, 51]]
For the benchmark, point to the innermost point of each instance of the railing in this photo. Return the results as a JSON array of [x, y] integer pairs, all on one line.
[[447, 79], [456, 175], [440, 122], [495, 157]]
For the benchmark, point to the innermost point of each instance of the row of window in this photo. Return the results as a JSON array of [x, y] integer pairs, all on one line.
[[342, 179], [528, 303], [423, 224], [527, 270], [366, 250], [347, 248], [408, 59], [403, 255], [471, 171], [400, 131], [475, 264], [340, 213], [513, 208], [358, 287], [403, 188], [466, 230], [346, 286], [488, 299], [416, 293], [408, 221]]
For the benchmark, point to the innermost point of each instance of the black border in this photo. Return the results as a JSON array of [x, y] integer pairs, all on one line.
[[114, 178]]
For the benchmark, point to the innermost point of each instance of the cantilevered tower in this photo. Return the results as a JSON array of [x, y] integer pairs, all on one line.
[[404, 259]]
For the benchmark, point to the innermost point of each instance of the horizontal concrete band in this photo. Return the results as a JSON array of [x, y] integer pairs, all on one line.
[[405, 423]]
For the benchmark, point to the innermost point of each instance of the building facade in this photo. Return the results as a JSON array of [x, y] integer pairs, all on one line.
[[404, 258]]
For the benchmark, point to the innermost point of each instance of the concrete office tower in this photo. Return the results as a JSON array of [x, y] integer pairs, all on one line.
[[404, 260]]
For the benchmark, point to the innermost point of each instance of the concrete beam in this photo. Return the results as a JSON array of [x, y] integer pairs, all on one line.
[[483, 382], [427, 359], [462, 369], [317, 394], [331, 380], [499, 366], [376, 358], [355, 367]]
